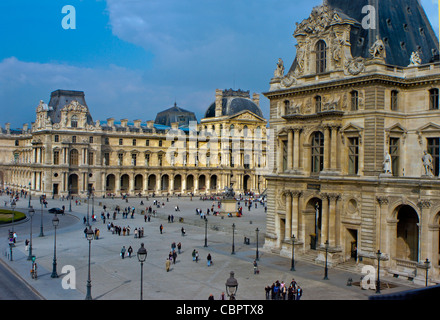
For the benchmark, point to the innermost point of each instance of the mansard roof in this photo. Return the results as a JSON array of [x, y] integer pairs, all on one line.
[[401, 24], [60, 98]]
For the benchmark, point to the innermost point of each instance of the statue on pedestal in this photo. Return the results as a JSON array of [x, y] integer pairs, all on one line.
[[387, 163], [229, 192], [427, 163]]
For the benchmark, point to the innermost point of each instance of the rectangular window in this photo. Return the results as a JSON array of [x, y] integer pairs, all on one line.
[[394, 100], [159, 159], [134, 142], [147, 143], [106, 159], [433, 150], [395, 155], [90, 159], [57, 138], [56, 157], [133, 159], [433, 99], [284, 155], [354, 101], [73, 139], [120, 159], [160, 143], [353, 155], [147, 159], [90, 139]]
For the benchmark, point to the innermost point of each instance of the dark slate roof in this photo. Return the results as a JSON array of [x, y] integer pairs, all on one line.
[[402, 25], [175, 114], [60, 98], [234, 102]]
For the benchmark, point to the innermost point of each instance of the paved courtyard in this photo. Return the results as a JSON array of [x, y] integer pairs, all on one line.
[[115, 278]]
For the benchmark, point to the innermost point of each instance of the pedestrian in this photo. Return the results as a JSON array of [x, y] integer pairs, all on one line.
[[161, 228], [267, 289], [130, 251], [167, 264], [222, 296], [179, 247], [26, 245], [197, 256], [299, 293], [209, 258], [211, 297], [255, 267], [123, 252], [174, 257], [193, 254]]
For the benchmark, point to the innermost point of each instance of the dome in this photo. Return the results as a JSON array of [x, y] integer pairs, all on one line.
[[175, 114], [234, 102]]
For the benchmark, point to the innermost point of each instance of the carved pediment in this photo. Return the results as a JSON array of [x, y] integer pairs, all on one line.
[[397, 128], [351, 128], [428, 128], [320, 19], [246, 115]]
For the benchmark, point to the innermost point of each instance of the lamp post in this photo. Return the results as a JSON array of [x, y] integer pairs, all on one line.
[[378, 271], [206, 232], [93, 202], [41, 224], [55, 222], [231, 286], [257, 254], [292, 268], [30, 196], [316, 224], [233, 238], [88, 201], [142, 256], [13, 216], [427, 266], [89, 234], [31, 214], [326, 267]]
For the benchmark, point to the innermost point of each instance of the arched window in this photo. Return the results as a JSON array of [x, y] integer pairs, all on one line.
[[74, 157], [245, 131], [74, 121], [317, 152], [321, 56]]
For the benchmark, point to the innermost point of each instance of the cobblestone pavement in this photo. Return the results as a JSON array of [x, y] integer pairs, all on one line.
[[115, 278]]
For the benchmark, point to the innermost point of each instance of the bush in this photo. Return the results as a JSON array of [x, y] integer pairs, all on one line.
[[6, 216]]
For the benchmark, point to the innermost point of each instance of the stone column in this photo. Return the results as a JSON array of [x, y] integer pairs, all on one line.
[[332, 227], [334, 149], [280, 155], [382, 239], [324, 220], [296, 150], [424, 245], [289, 150], [326, 148], [288, 232], [295, 213]]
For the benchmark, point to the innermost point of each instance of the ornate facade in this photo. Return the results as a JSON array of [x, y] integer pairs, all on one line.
[[357, 124], [65, 152]]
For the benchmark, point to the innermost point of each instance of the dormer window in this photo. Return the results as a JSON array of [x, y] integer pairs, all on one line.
[[321, 56], [74, 121]]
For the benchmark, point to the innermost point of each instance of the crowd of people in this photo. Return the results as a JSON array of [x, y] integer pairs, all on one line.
[[280, 291]]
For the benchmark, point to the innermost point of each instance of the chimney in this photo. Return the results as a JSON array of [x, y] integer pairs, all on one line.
[[150, 124], [8, 128], [137, 123], [25, 128], [256, 99], [110, 122], [124, 123], [218, 102]]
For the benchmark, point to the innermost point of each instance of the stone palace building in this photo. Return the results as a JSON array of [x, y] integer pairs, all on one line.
[[356, 120], [65, 152]]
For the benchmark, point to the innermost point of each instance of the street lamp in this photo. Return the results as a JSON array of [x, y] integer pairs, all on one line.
[[30, 196], [31, 214], [231, 286], [326, 267], [378, 271], [93, 202], [13, 216], [89, 235], [41, 225], [427, 266], [88, 200], [142, 256], [257, 256], [233, 238], [55, 222], [206, 232], [292, 268]]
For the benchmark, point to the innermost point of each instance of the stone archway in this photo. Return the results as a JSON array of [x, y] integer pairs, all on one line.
[[110, 183], [125, 183], [313, 221], [152, 182], [138, 183], [177, 183], [407, 233], [73, 183]]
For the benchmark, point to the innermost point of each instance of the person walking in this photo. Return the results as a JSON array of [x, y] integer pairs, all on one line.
[[179, 247], [130, 251], [123, 252], [161, 228], [193, 254], [209, 259], [167, 265], [299, 293], [255, 267], [197, 256]]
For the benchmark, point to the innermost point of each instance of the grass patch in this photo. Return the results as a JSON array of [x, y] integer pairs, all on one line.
[[6, 216]]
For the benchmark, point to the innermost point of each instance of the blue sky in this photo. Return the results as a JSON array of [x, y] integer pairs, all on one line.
[[134, 58]]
